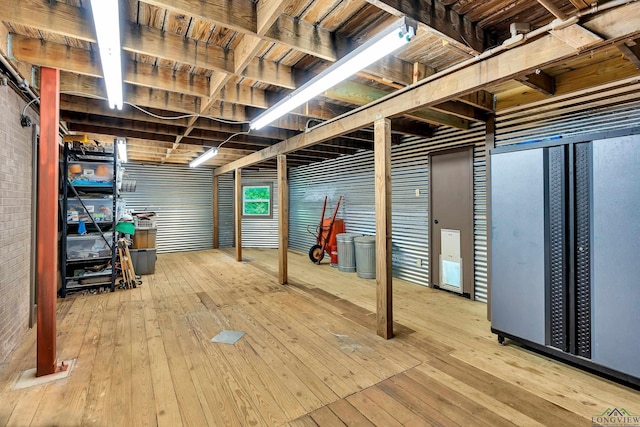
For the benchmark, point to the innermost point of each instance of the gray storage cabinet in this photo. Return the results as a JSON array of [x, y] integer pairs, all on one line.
[[565, 250]]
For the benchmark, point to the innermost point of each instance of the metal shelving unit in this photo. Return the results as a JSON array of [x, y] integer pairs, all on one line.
[[88, 260]]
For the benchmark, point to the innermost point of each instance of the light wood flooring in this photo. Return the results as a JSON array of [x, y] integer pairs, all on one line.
[[310, 356]]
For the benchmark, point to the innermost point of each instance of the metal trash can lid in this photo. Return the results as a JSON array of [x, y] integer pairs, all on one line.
[[365, 240], [347, 237]]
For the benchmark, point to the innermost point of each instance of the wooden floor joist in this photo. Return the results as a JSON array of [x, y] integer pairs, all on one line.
[[310, 356]]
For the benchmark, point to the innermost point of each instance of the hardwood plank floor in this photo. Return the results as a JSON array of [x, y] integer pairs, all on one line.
[[310, 356]]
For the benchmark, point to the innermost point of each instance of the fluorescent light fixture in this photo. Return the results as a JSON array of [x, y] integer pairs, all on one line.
[[106, 20], [203, 157], [385, 42], [122, 149]]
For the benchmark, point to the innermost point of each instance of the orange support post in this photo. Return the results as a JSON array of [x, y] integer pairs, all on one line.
[[47, 236]]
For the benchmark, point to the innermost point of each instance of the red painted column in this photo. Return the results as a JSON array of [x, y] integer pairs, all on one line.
[[47, 237]]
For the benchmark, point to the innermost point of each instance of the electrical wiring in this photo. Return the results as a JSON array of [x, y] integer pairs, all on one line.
[[157, 116]]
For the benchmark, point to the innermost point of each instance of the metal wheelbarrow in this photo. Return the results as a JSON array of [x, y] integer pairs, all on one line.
[[323, 234]]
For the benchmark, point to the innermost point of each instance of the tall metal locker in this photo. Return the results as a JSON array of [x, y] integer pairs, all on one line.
[[565, 250]]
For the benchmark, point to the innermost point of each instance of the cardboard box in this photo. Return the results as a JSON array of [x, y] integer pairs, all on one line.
[[145, 238]]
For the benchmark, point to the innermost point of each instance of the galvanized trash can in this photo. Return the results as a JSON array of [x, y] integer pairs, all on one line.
[[366, 256], [346, 252]]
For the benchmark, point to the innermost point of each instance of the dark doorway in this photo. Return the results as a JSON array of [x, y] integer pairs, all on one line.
[[451, 235]]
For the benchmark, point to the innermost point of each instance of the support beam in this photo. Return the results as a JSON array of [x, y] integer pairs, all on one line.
[[216, 212], [540, 81], [553, 9], [384, 284], [47, 246], [283, 220], [632, 53], [544, 51], [480, 99], [439, 17], [238, 214]]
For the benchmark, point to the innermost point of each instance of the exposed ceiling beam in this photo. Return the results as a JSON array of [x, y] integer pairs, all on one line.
[[508, 65], [461, 110], [540, 81], [439, 17], [580, 4], [613, 70], [631, 52], [479, 99], [92, 87]]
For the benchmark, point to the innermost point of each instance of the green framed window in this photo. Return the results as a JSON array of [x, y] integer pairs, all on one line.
[[256, 200]]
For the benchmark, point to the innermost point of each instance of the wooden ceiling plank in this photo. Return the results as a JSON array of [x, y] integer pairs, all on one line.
[[579, 4], [619, 23], [165, 45], [304, 37], [236, 15], [56, 17]]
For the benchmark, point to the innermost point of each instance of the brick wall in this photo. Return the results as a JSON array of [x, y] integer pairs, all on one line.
[[15, 220]]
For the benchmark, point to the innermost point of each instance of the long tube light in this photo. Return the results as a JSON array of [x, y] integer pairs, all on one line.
[[106, 20], [122, 149], [203, 157], [385, 42]]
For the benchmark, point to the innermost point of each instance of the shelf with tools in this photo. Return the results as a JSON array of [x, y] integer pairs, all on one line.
[[88, 215]]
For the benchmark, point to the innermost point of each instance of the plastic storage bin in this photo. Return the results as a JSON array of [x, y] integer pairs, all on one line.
[[346, 252], [145, 238], [144, 260], [90, 174], [101, 209], [366, 256], [88, 246]]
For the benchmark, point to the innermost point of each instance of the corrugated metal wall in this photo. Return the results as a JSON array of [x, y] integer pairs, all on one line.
[[353, 177], [608, 108], [256, 232], [225, 210], [183, 199]]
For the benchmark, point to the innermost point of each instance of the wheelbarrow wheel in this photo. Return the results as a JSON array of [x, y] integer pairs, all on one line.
[[316, 254]]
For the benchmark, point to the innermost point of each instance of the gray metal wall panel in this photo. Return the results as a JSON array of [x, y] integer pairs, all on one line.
[[353, 177], [225, 210], [518, 244], [607, 108], [616, 245], [183, 199]]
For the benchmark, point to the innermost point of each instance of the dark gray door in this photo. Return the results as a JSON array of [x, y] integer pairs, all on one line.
[[451, 236]]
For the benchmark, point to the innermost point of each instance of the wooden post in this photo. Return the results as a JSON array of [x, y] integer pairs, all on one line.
[[283, 219], [216, 216], [384, 294], [47, 219], [490, 144], [238, 215]]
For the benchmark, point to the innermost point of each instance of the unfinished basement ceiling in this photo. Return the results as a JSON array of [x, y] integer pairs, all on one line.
[[230, 61]]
